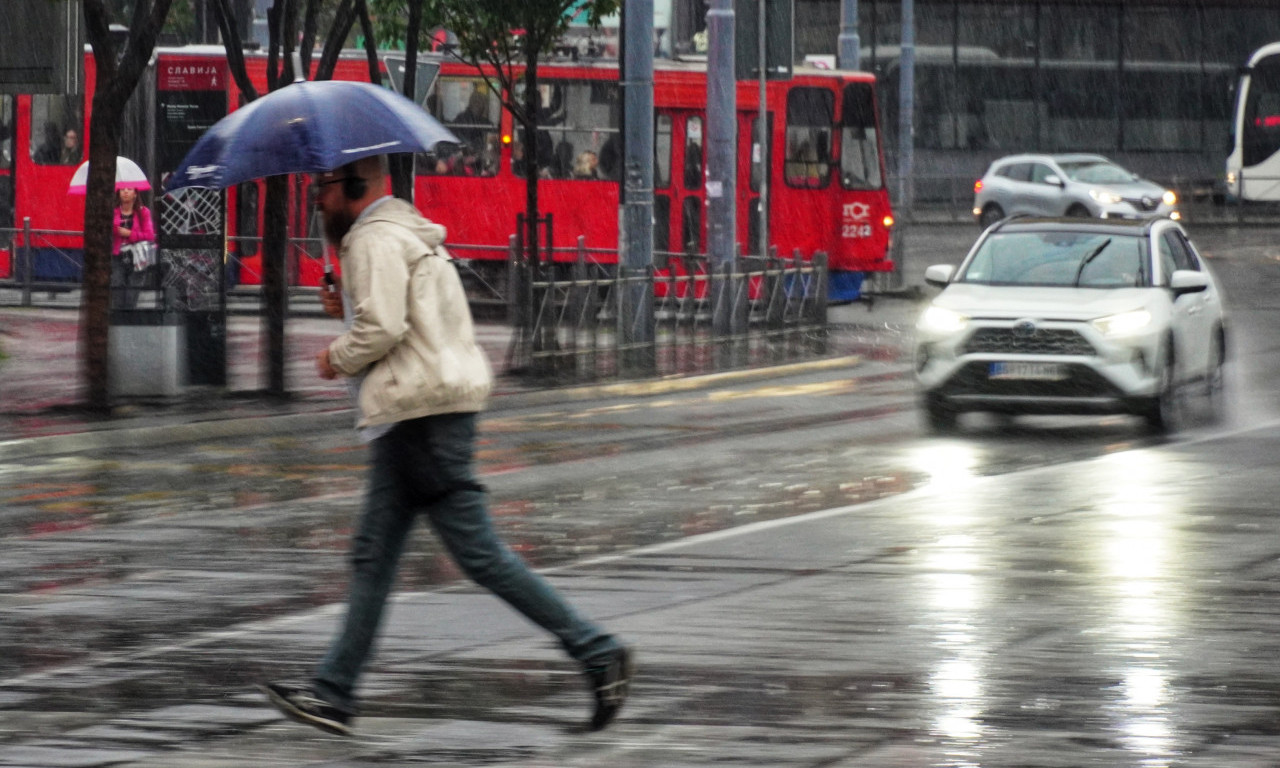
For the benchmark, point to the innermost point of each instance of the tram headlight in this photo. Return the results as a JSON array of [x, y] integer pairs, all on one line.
[[1170, 197]]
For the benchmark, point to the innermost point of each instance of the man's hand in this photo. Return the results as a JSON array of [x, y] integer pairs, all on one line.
[[323, 368], [331, 298]]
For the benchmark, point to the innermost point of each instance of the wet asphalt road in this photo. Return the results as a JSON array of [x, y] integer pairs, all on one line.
[[809, 581]]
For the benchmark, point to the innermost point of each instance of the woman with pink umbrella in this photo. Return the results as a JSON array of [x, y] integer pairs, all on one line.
[[133, 232]]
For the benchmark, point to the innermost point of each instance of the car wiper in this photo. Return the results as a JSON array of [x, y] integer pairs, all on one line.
[[1085, 262]]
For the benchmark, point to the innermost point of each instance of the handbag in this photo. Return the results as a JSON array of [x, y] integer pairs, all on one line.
[[142, 253]]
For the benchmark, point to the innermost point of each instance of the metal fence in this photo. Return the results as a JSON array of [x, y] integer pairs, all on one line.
[[575, 319]]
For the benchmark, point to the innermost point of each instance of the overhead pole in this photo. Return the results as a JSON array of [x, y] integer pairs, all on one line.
[[721, 186], [907, 107], [635, 219], [849, 45], [762, 127]]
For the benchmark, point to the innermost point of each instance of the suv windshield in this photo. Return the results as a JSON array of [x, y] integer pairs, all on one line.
[[1096, 173], [1063, 259]]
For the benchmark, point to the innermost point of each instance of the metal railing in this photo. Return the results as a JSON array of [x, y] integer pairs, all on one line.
[[22, 244], [569, 314]]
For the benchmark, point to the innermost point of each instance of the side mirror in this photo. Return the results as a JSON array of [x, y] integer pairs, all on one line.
[[939, 275], [1185, 281], [1054, 180]]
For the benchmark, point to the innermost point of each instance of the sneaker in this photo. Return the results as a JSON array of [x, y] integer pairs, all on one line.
[[301, 702], [610, 681]]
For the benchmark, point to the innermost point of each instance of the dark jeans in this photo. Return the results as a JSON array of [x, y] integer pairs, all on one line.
[[425, 466], [126, 283]]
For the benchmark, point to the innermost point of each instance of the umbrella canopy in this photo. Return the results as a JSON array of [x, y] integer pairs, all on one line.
[[128, 176], [307, 127]]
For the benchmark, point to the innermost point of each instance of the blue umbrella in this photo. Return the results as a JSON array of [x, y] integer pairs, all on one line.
[[307, 127]]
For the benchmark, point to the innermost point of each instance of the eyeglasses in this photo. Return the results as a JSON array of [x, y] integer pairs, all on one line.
[[338, 180]]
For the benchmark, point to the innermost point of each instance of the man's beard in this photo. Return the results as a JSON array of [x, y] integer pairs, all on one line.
[[336, 226]]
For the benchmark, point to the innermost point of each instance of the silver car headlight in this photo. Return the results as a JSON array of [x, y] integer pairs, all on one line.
[[942, 321], [1123, 324], [1104, 197], [1170, 197]]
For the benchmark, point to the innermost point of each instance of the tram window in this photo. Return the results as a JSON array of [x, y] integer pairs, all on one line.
[[661, 223], [247, 218], [6, 131], [691, 225], [693, 153], [753, 227], [578, 130], [662, 152], [859, 140], [810, 116], [469, 108], [57, 121], [753, 141]]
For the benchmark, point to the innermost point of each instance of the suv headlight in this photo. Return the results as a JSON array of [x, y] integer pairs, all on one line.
[[1123, 324], [1170, 198], [941, 320], [1104, 197]]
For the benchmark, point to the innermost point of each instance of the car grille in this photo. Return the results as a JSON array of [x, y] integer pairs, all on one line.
[[1045, 341], [1143, 203], [1080, 381]]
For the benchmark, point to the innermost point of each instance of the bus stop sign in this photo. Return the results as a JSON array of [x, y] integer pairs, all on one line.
[[779, 32]]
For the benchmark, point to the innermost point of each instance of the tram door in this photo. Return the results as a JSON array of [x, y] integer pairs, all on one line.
[[689, 174], [753, 163]]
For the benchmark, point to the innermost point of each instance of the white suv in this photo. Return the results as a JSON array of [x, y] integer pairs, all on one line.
[[1067, 185], [1069, 316]]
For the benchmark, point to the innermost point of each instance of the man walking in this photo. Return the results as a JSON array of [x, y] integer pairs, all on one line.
[[419, 378]]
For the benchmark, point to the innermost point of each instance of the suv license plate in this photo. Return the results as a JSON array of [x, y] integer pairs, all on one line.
[[1033, 371]]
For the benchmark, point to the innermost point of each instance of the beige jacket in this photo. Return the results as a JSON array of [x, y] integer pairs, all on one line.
[[411, 330]]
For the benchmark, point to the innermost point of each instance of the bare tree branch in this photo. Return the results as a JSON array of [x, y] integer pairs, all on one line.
[[235, 49]]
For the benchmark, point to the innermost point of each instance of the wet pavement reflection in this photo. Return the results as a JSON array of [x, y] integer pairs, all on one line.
[[808, 579]]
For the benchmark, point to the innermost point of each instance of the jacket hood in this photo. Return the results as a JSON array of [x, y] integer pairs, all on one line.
[[404, 214]]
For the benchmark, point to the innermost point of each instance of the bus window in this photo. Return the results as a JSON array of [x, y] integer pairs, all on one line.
[[578, 126], [859, 143], [662, 152], [693, 153], [56, 120], [1260, 133], [810, 115], [471, 110]]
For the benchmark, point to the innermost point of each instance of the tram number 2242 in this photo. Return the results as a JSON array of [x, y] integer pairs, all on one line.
[[856, 222]]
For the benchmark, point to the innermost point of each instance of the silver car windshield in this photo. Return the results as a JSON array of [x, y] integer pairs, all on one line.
[[1060, 259], [1097, 173]]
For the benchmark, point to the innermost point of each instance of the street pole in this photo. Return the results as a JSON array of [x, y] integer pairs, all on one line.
[[849, 45], [907, 106], [721, 187], [762, 130], [635, 219]]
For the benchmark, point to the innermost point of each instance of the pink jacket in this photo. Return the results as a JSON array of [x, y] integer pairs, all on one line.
[[143, 228]]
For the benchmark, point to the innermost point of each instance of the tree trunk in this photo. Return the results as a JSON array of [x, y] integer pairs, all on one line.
[[275, 293], [402, 170]]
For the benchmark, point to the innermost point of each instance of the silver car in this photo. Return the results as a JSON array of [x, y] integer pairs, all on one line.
[[1068, 185], [1072, 316]]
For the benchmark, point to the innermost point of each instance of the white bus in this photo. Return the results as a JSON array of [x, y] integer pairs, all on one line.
[[1253, 167]]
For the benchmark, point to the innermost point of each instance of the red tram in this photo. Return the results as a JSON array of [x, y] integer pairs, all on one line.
[[826, 186]]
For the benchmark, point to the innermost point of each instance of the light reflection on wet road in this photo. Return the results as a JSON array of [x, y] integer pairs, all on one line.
[[1118, 611]]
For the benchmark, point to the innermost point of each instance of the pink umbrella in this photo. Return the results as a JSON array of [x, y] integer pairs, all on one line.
[[128, 176]]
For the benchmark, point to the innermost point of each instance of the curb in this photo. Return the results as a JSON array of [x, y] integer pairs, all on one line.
[[111, 438]]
